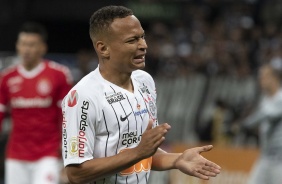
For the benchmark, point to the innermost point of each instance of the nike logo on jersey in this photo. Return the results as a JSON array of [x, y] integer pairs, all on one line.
[[124, 118]]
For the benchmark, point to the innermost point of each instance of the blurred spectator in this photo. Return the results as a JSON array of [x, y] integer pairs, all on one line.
[[218, 128], [87, 61]]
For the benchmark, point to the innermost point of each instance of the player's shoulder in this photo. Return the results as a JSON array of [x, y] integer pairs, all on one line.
[[143, 76], [9, 71], [89, 85], [52, 65], [59, 69]]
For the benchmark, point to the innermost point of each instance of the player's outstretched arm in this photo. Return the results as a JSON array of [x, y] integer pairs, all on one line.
[[194, 164], [189, 162], [99, 168]]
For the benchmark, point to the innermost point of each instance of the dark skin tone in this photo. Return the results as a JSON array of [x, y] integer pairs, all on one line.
[[120, 53]]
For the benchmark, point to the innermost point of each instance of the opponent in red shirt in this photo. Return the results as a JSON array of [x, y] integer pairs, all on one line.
[[32, 90]]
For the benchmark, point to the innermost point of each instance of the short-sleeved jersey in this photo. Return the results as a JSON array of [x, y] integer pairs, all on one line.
[[33, 98], [269, 118], [101, 119]]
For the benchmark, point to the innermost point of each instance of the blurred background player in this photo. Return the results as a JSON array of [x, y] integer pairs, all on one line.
[[268, 118], [32, 91]]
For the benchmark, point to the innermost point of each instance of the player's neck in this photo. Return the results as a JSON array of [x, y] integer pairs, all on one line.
[[30, 65], [118, 78]]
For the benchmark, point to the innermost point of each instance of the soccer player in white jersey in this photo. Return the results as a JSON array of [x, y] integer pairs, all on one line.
[[268, 117], [110, 127]]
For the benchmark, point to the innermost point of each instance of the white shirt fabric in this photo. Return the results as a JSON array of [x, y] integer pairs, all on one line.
[[102, 119], [269, 119]]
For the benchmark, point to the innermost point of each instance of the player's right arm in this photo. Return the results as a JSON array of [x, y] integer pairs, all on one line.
[[271, 112], [3, 101], [79, 140]]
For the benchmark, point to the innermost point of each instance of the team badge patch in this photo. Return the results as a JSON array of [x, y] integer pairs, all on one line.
[[44, 87], [73, 98], [153, 108], [73, 146]]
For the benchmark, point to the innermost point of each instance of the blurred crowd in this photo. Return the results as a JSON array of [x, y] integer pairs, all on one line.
[[214, 39], [219, 39]]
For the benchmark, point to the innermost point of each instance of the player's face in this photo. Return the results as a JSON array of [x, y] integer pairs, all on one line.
[[30, 48], [126, 44], [266, 78]]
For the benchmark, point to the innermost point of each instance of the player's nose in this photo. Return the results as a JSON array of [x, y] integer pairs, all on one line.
[[142, 44]]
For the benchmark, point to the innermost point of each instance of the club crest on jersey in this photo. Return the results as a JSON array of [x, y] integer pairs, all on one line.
[[152, 108], [116, 97], [44, 87], [73, 98], [145, 89]]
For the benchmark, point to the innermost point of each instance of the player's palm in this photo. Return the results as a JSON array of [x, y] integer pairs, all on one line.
[[194, 164]]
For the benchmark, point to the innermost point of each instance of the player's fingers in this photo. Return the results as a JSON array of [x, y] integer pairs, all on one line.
[[207, 173], [211, 169], [204, 148], [165, 125], [159, 142], [201, 176], [213, 165], [150, 125]]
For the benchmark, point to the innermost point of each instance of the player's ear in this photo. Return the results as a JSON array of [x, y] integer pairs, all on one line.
[[102, 49]]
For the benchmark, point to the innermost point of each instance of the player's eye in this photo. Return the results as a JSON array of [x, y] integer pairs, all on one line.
[[133, 40]]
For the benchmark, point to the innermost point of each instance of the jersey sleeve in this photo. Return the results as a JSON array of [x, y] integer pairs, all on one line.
[[66, 83], [266, 112], [3, 100], [79, 115], [149, 81]]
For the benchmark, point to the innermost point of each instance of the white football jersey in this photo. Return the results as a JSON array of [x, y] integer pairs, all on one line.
[[102, 119]]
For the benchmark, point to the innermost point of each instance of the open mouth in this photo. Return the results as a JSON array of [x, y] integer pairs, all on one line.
[[140, 57]]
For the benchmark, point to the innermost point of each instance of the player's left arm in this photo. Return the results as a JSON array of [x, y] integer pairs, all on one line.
[[189, 162], [3, 101]]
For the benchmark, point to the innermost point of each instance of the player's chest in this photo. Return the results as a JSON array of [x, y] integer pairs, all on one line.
[[129, 112], [40, 86]]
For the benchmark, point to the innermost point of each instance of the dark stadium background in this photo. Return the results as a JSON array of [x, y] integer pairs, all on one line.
[[67, 20]]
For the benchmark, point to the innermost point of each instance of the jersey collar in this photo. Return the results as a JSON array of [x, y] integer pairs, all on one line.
[[32, 73]]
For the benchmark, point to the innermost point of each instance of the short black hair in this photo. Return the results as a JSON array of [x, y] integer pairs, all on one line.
[[34, 27], [102, 18]]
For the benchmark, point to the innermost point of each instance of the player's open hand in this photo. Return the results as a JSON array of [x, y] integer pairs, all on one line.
[[152, 138], [192, 163]]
